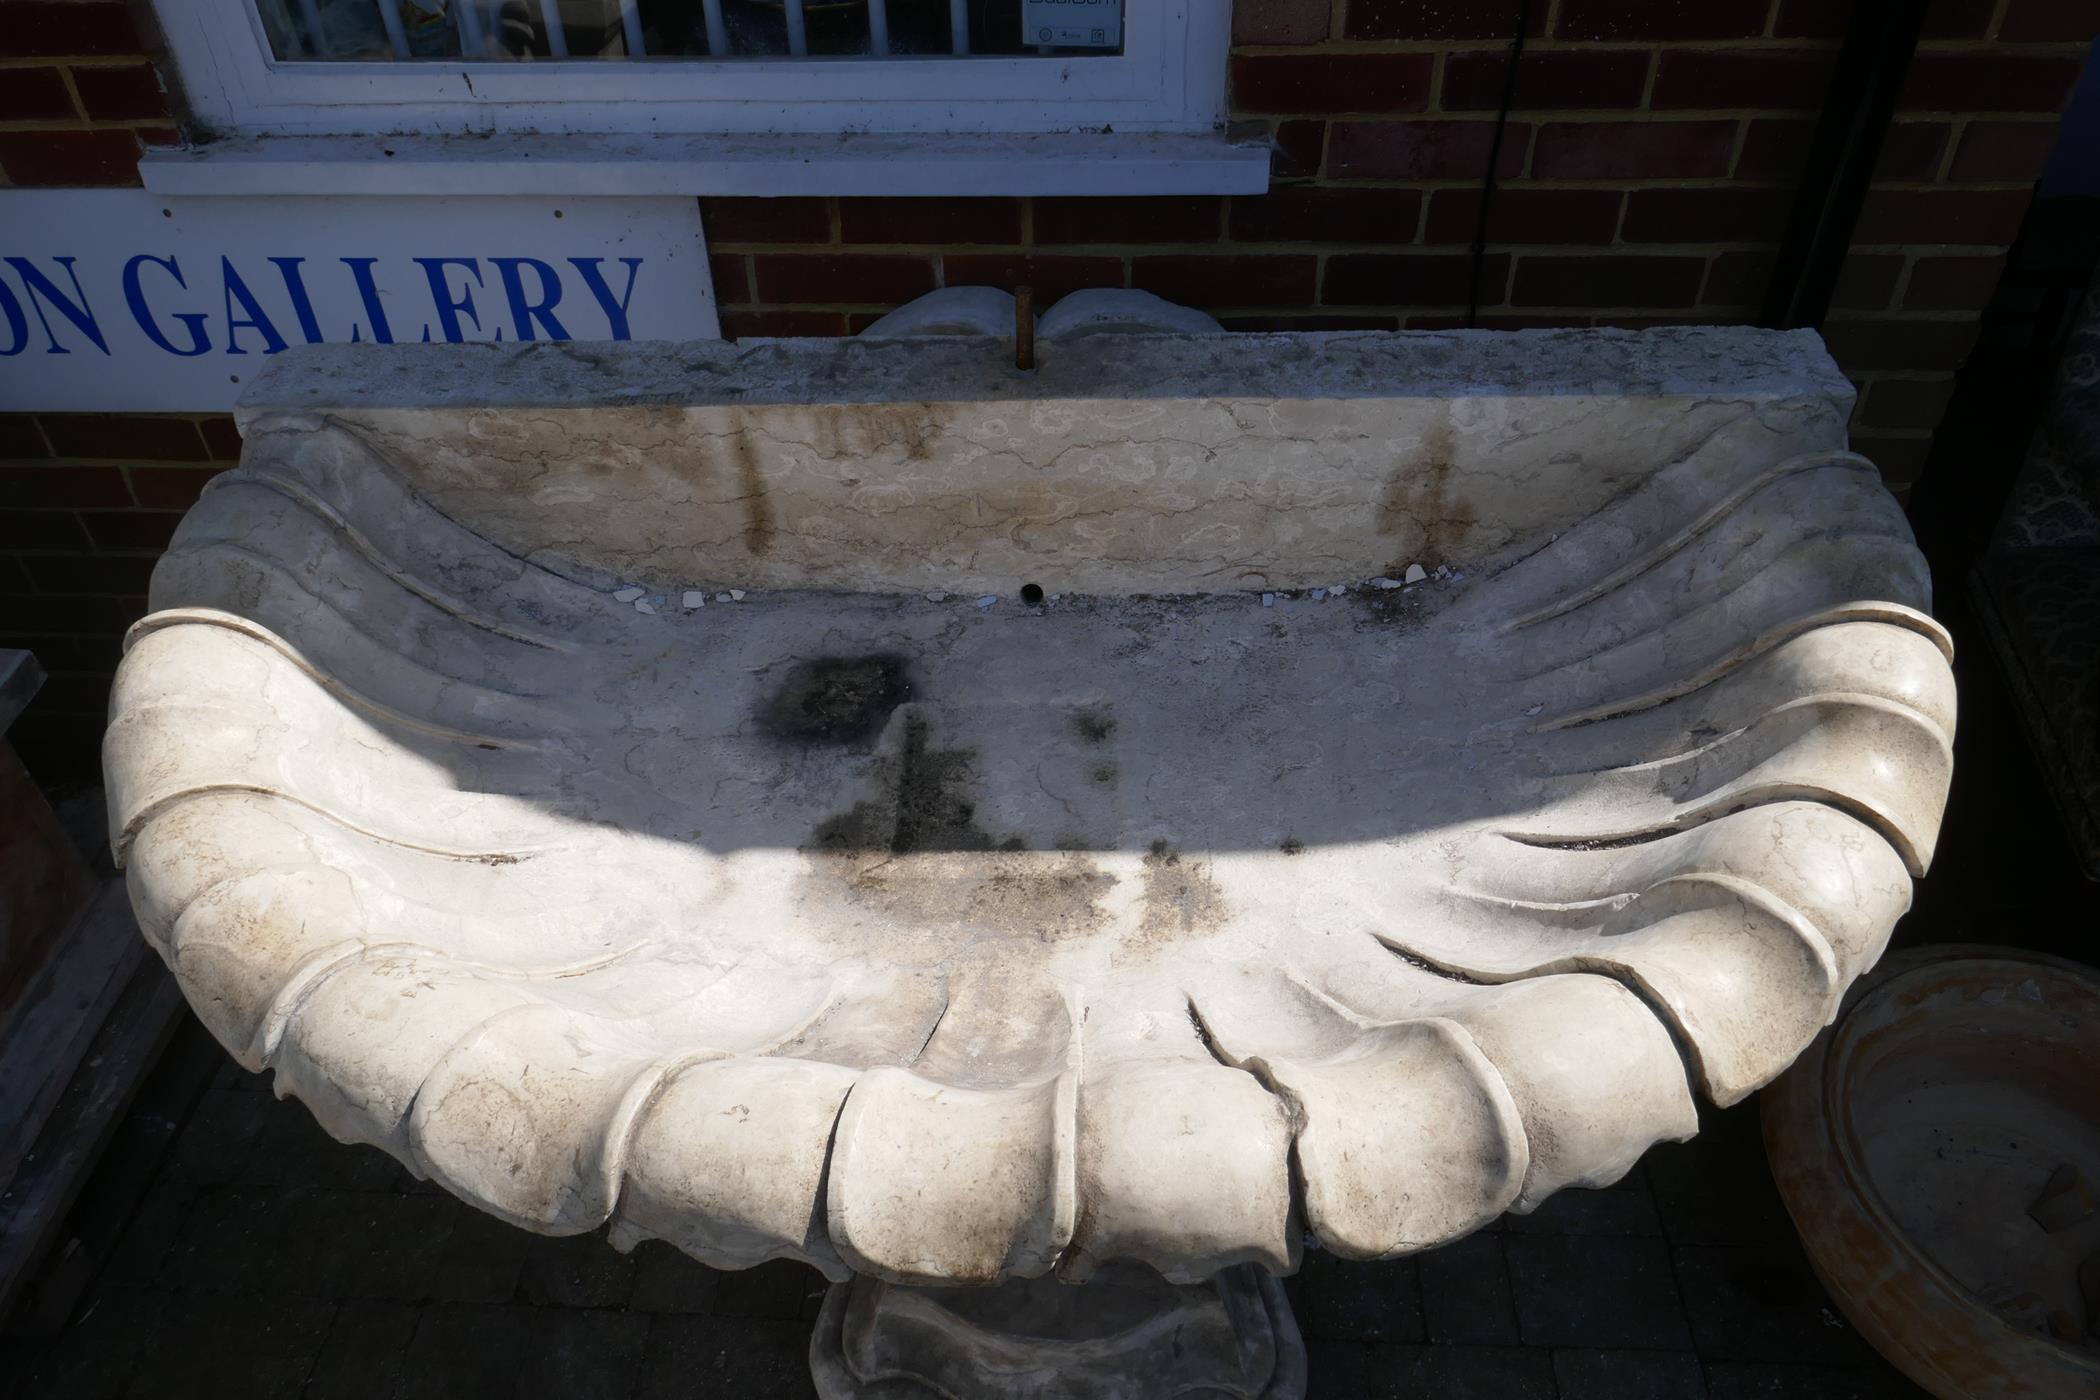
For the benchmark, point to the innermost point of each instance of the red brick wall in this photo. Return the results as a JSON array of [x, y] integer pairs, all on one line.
[[79, 98], [87, 501], [1646, 175]]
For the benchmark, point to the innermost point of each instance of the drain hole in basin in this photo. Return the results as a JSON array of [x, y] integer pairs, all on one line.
[[1031, 593]]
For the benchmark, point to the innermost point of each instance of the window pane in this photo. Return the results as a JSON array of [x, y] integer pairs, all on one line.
[[391, 30]]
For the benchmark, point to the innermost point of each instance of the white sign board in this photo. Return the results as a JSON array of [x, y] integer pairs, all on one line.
[[1072, 24], [127, 300]]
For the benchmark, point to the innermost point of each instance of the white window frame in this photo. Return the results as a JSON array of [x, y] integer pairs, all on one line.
[[1169, 78]]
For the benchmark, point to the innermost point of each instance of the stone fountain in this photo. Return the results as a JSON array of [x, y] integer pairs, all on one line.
[[980, 831]]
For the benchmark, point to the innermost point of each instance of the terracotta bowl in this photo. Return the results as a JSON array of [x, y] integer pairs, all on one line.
[[1913, 1143]]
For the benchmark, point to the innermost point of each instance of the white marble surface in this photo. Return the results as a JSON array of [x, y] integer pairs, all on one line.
[[1130, 463], [938, 938]]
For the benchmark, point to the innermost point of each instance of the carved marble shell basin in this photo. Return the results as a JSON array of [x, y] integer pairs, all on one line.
[[879, 919]]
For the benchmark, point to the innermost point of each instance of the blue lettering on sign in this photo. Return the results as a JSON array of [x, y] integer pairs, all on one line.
[[41, 291], [135, 298], [368, 293], [302, 304], [449, 309], [615, 312], [252, 314], [45, 302], [17, 323], [523, 313]]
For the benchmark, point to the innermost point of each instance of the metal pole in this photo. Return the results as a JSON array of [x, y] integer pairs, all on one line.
[[878, 26], [1879, 42], [396, 32], [798, 32], [471, 42], [959, 26], [316, 32], [631, 26], [557, 37], [717, 31]]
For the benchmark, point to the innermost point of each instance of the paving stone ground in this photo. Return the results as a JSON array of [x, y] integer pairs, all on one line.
[[267, 1261]]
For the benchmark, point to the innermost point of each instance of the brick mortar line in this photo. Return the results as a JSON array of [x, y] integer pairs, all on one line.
[[1256, 247], [1639, 111], [1642, 113], [1558, 311], [1954, 250], [65, 79], [1905, 316], [1937, 185], [1433, 183], [1543, 182], [72, 125], [134, 509], [1500, 310], [1905, 275], [1233, 309], [1756, 44], [98, 60], [2024, 116], [1956, 115], [113, 463], [1545, 44]]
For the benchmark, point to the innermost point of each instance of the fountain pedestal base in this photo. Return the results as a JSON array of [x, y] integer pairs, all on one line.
[[1127, 1334]]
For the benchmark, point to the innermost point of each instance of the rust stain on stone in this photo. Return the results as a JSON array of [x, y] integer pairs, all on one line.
[[1418, 498], [1179, 897], [751, 491], [863, 430]]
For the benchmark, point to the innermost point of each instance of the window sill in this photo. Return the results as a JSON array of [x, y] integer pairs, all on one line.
[[1059, 164]]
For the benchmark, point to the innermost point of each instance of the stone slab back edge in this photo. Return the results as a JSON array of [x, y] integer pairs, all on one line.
[[1142, 464]]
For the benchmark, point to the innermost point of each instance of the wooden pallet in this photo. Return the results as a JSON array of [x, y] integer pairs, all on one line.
[[79, 1045], [85, 1010]]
